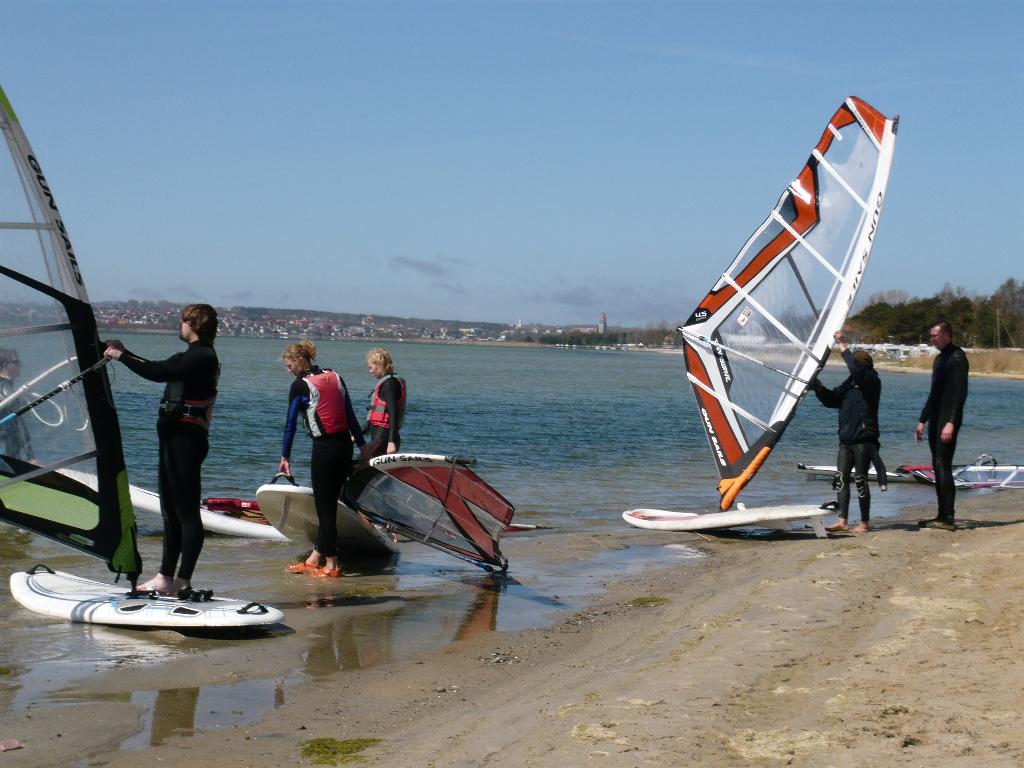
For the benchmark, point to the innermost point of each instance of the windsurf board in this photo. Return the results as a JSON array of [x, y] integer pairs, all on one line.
[[292, 511], [828, 471], [780, 518], [66, 596], [214, 521]]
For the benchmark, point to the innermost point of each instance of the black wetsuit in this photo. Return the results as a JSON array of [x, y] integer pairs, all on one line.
[[379, 437], [857, 400], [330, 463], [191, 376], [14, 437], [946, 404]]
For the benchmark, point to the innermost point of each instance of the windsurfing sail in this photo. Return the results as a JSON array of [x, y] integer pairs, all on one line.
[[56, 407], [763, 332], [436, 500]]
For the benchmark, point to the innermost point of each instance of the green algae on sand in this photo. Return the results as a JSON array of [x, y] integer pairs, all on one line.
[[647, 602], [334, 751]]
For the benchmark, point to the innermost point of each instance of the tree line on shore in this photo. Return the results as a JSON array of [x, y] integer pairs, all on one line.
[[889, 317], [993, 321]]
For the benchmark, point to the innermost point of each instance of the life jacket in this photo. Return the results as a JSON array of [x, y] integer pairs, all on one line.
[[378, 416], [325, 414], [174, 406]]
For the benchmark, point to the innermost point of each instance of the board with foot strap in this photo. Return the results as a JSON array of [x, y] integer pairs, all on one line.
[[66, 596], [781, 517]]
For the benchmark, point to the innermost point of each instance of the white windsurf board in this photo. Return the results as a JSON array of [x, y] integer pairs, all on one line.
[[780, 517], [828, 471], [214, 521], [66, 596], [292, 511]]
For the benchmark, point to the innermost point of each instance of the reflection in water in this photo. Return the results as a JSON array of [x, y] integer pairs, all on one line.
[[483, 615], [183, 711], [173, 713], [360, 639], [372, 630]]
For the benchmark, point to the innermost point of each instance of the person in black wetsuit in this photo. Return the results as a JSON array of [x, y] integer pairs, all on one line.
[[182, 427], [387, 404], [15, 440], [857, 400], [322, 399], [943, 412]]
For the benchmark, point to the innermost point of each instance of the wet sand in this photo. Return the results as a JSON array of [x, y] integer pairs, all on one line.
[[898, 647]]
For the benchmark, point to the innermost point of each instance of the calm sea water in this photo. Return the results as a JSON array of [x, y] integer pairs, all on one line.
[[570, 437]]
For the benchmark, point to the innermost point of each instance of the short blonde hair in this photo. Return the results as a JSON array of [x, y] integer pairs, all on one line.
[[380, 356], [304, 350]]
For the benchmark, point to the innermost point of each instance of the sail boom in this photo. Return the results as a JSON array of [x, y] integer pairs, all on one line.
[[751, 358]]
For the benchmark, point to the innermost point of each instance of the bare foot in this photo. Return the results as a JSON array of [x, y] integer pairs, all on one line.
[[839, 526], [159, 584], [861, 528]]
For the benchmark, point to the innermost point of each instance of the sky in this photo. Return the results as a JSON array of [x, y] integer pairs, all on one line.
[[503, 161]]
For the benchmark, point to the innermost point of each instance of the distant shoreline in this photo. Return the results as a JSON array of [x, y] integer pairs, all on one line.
[[985, 363]]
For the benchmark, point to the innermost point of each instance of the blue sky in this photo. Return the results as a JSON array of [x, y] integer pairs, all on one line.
[[503, 161]]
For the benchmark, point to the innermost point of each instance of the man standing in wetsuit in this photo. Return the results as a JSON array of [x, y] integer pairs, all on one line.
[[182, 427], [15, 441], [943, 412], [857, 400]]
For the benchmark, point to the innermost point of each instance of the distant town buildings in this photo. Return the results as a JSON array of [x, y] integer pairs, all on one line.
[[299, 323], [262, 322]]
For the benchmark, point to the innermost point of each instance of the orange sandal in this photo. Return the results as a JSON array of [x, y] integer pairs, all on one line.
[[323, 573], [303, 567]]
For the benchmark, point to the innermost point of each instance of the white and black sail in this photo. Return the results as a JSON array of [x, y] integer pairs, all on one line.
[[56, 407]]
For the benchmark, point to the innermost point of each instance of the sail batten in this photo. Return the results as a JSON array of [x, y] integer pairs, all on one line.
[[838, 177], [730, 405], [762, 333], [26, 225], [810, 249]]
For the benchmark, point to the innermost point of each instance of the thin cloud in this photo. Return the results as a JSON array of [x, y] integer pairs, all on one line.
[[442, 269], [422, 266], [454, 288]]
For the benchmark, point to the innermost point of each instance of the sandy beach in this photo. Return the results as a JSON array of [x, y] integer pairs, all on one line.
[[898, 647]]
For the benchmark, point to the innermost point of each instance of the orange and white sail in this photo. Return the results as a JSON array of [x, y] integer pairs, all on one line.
[[762, 333]]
